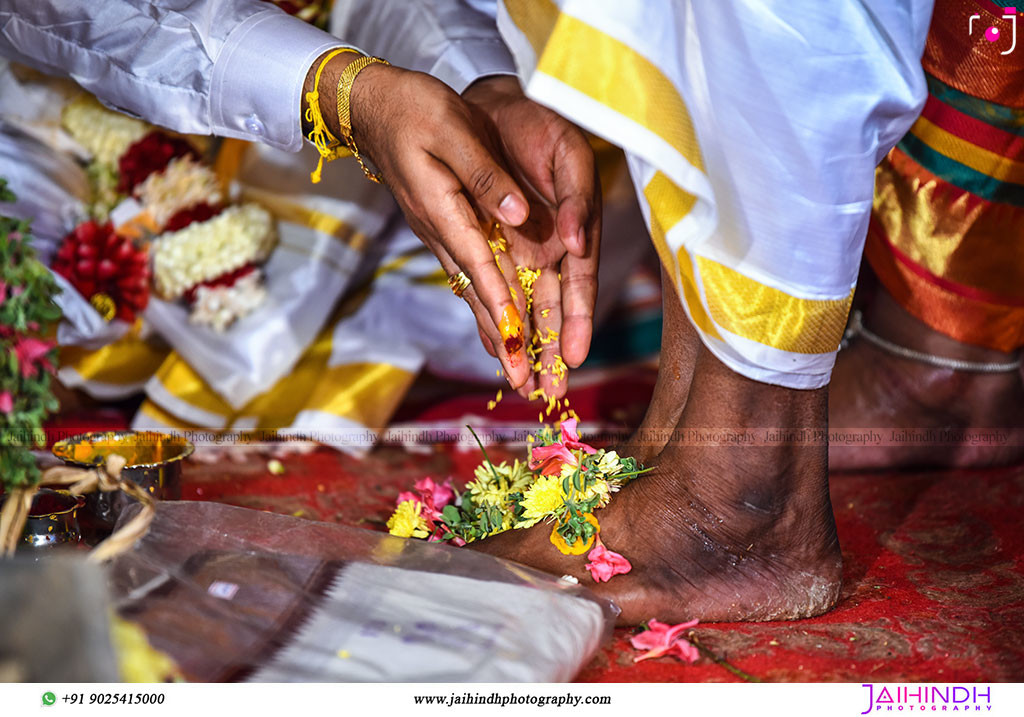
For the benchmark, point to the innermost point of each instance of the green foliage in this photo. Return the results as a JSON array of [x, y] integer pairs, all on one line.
[[26, 307]]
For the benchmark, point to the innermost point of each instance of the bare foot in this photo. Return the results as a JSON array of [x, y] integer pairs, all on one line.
[[679, 345], [717, 532], [910, 414]]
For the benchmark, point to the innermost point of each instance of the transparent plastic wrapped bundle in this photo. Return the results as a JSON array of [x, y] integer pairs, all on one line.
[[237, 594]]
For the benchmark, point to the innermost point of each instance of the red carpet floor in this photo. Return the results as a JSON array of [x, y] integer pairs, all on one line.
[[934, 562]]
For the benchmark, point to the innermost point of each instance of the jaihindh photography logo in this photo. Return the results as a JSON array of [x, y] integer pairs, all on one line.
[[927, 698]]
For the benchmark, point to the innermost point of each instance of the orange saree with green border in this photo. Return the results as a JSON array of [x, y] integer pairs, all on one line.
[[947, 231]]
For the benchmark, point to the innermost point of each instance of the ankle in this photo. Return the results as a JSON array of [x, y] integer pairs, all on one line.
[[891, 322], [720, 397]]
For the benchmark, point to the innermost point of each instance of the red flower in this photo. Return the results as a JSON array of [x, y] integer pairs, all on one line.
[[604, 563], [661, 639], [432, 496], [6, 402], [571, 438], [96, 261], [196, 213], [441, 494], [31, 355], [550, 458], [227, 279], [150, 154]]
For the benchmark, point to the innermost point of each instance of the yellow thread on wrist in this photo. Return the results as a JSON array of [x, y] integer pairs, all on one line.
[[348, 76], [326, 144]]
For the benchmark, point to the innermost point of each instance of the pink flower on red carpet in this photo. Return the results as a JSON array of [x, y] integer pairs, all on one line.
[[661, 639], [6, 402], [31, 354], [604, 563], [551, 458]]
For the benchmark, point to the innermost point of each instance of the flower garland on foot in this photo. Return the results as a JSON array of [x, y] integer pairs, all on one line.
[[563, 482]]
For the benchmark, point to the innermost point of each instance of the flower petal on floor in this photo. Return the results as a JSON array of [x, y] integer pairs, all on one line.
[[660, 639]]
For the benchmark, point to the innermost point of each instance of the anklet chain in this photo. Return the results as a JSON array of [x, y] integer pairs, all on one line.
[[857, 328]]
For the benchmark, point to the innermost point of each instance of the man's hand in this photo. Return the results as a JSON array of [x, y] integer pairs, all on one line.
[[433, 154], [554, 162], [444, 159]]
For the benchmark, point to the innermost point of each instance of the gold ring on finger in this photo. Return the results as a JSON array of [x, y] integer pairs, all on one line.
[[459, 283]]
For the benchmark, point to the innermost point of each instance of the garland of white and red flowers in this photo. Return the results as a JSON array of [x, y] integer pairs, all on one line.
[[202, 251]]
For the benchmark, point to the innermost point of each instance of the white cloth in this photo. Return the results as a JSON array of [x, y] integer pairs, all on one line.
[[456, 41], [753, 129], [234, 68]]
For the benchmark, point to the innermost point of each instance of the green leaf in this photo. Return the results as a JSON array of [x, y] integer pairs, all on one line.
[[483, 450], [450, 515]]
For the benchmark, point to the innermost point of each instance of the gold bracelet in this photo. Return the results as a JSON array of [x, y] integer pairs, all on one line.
[[328, 147], [348, 76]]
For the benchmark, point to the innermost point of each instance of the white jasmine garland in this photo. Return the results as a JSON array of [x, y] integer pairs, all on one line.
[[220, 306], [105, 134], [240, 235], [183, 183]]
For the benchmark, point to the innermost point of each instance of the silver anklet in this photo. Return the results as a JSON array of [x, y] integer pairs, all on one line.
[[857, 328]]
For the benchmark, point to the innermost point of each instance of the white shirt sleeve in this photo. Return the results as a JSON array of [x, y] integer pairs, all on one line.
[[232, 68], [456, 41]]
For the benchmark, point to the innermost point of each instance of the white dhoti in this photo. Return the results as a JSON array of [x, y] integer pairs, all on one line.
[[753, 130]]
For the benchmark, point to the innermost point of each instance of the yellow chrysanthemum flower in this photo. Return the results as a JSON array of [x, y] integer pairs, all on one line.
[[599, 488], [488, 490], [407, 522], [508, 521], [488, 493], [542, 499]]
